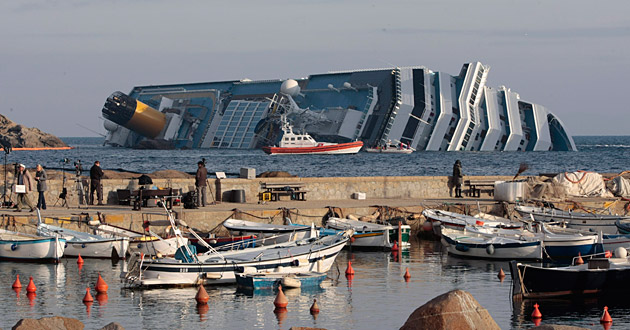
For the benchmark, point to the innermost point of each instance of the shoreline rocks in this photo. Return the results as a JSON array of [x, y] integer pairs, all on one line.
[[18, 136]]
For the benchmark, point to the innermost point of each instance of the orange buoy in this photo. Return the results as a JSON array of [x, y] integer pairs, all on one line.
[[351, 239], [536, 313], [501, 275], [80, 260], [31, 288], [605, 317], [395, 247], [427, 226], [608, 254], [579, 260], [281, 300], [407, 276], [88, 296], [536, 321], [349, 270], [314, 307], [17, 284], [101, 285], [202, 296]]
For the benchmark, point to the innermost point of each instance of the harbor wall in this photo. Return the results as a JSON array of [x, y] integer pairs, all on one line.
[[327, 188], [334, 189]]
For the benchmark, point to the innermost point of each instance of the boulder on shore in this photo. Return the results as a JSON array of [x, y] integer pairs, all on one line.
[[454, 310], [49, 323], [17, 136]]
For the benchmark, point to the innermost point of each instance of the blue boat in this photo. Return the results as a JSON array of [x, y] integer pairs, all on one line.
[[268, 281]]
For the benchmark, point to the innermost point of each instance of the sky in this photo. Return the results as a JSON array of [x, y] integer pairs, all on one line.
[[59, 60]]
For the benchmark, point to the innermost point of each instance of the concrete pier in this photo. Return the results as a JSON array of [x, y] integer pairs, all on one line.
[[391, 196]]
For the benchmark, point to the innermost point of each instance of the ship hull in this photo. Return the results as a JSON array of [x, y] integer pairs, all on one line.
[[334, 149]]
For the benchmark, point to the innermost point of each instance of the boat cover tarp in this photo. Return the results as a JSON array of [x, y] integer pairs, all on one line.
[[620, 186], [583, 184]]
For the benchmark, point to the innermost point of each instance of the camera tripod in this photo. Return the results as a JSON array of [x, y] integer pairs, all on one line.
[[5, 203], [64, 191]]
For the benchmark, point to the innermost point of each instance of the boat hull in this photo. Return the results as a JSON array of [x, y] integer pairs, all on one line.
[[484, 248], [35, 250], [150, 245], [156, 273], [272, 280], [576, 220], [106, 248], [334, 149], [532, 281]]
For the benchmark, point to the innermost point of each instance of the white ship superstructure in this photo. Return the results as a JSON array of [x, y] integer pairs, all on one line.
[[426, 110]]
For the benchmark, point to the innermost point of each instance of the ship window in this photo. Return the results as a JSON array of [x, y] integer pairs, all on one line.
[[299, 138], [292, 139]]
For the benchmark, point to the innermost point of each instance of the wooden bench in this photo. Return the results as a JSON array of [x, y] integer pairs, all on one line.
[[273, 191], [475, 187]]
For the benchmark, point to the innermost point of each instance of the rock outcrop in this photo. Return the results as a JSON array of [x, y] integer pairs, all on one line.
[[454, 310], [49, 323], [18, 136]]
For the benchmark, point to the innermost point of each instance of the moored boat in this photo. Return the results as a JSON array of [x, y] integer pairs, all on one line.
[[371, 235], [439, 218], [577, 220], [609, 276], [306, 255], [262, 281], [16, 246], [476, 245], [267, 233], [86, 245]]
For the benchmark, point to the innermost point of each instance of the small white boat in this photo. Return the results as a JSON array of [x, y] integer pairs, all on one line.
[[301, 256], [150, 244], [86, 245], [303, 144], [440, 218], [577, 220], [477, 245], [371, 235], [260, 281], [392, 148], [266, 233], [16, 246]]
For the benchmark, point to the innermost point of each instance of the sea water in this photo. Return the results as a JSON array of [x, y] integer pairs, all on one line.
[[378, 297], [604, 154]]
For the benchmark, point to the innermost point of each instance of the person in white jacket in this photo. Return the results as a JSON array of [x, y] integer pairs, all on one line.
[[24, 178]]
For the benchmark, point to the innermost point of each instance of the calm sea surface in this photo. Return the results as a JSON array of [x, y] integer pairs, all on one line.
[[609, 154], [377, 298]]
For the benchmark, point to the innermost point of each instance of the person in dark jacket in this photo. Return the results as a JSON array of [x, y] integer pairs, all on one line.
[[41, 178], [200, 183], [96, 173], [458, 178]]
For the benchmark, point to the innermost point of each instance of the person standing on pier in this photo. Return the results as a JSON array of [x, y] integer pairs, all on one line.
[[458, 178], [200, 183], [41, 177], [24, 178], [96, 173]]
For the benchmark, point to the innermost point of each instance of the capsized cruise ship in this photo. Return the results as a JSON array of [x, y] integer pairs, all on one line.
[[427, 110]]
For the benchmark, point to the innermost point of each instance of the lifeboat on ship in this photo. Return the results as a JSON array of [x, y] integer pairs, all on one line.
[[302, 144]]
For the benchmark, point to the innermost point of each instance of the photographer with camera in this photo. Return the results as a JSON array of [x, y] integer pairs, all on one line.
[[25, 184], [96, 173]]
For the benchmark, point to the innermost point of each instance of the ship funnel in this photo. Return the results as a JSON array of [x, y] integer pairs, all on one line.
[[134, 115]]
